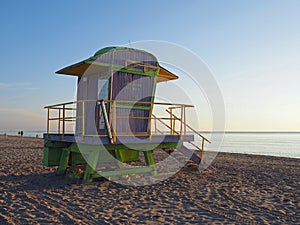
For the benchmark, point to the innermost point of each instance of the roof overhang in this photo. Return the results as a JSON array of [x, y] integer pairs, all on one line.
[[78, 69], [87, 66]]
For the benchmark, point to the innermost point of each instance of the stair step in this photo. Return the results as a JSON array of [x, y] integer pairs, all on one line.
[[189, 153]]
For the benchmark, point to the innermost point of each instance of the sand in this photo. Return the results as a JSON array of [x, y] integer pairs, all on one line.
[[238, 189]]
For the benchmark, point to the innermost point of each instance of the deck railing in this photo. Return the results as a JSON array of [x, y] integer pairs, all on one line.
[[174, 122]]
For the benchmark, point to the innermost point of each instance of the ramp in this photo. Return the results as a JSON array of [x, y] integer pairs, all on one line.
[[189, 153]]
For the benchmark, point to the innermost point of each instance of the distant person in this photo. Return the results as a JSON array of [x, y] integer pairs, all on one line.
[[21, 133], [37, 136]]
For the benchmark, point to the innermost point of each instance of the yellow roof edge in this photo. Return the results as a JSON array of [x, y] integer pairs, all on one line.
[[165, 75], [69, 70], [78, 69]]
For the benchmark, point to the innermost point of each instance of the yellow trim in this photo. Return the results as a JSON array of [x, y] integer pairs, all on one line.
[[79, 69], [165, 75], [162, 120]]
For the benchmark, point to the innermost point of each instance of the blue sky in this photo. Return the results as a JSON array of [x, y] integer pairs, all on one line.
[[253, 48]]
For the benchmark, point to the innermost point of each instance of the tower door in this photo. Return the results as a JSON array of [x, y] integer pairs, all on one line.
[[132, 118]]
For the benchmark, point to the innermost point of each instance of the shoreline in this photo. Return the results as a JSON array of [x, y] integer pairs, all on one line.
[[250, 154], [19, 136]]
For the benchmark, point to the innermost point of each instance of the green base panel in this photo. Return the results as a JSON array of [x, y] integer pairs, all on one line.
[[64, 154], [76, 159], [52, 152], [129, 155]]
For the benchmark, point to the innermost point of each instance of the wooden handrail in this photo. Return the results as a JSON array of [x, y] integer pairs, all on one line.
[[173, 118], [61, 104], [191, 128], [196, 146], [119, 101], [165, 124]]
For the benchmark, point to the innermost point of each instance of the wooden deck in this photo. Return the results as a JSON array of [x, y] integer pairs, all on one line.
[[95, 140]]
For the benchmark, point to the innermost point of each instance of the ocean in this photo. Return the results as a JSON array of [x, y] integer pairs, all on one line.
[[283, 144]]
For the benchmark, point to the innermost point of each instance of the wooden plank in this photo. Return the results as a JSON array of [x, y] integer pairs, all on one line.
[[136, 170], [107, 122]]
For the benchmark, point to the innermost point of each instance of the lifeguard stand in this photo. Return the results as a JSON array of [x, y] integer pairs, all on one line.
[[113, 116]]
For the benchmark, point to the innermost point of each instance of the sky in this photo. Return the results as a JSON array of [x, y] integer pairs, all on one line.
[[252, 47]]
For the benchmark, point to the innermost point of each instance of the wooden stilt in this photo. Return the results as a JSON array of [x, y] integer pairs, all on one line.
[[91, 167], [64, 159], [150, 160]]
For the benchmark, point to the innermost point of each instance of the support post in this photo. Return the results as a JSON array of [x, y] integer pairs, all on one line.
[[181, 117], [82, 122], [119, 158], [174, 124], [184, 119], [48, 121], [155, 127], [149, 121], [114, 128], [91, 165], [150, 160], [171, 122], [59, 118], [64, 115], [64, 159], [202, 147]]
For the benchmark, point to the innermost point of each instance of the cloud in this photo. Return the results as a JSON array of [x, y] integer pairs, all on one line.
[[16, 85], [32, 88], [4, 85]]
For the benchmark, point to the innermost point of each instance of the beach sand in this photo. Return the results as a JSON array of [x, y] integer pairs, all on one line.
[[238, 189]]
